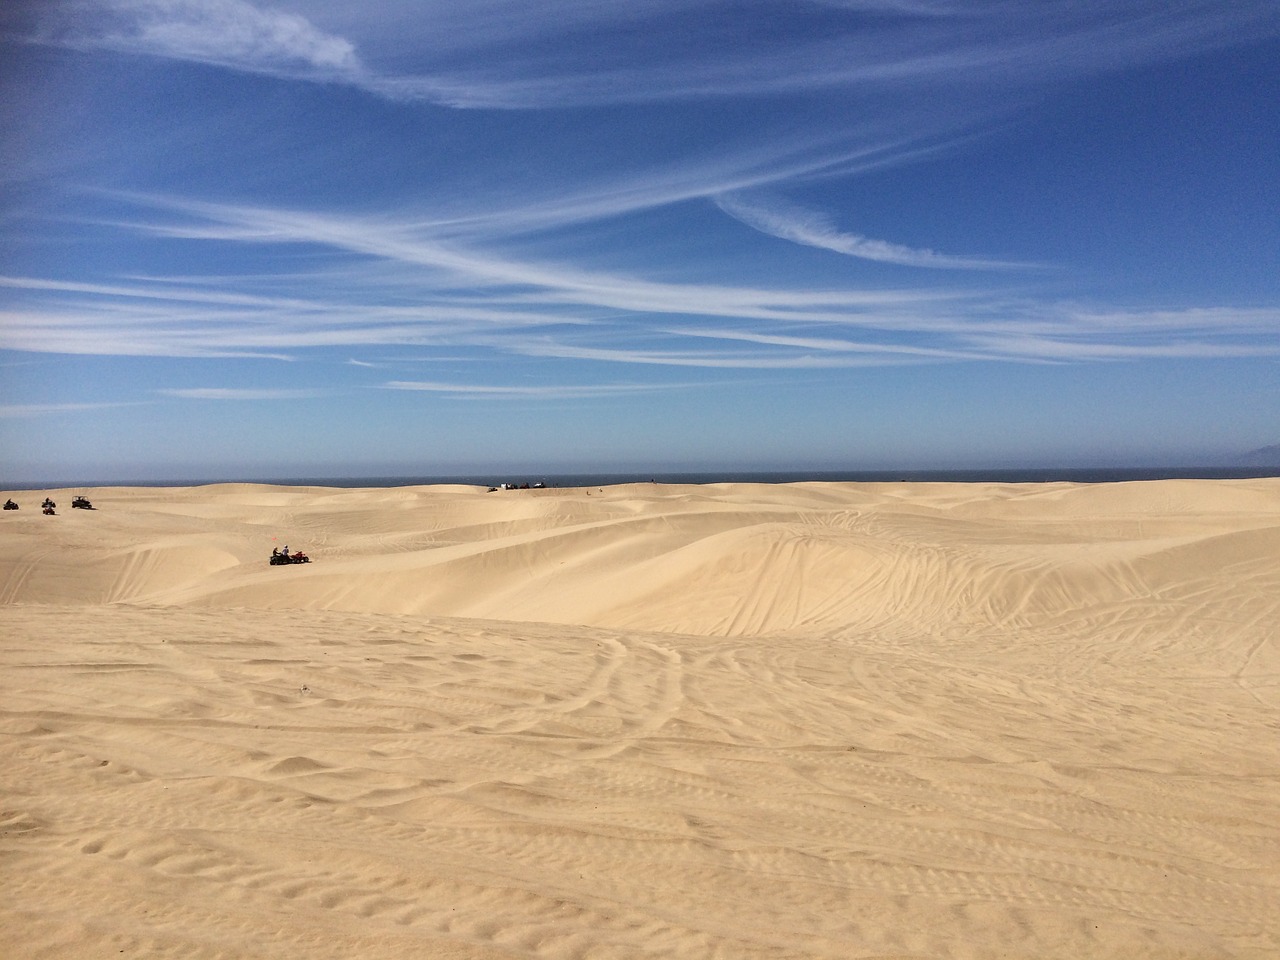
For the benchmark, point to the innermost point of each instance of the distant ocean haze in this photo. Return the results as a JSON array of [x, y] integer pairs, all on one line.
[[569, 480]]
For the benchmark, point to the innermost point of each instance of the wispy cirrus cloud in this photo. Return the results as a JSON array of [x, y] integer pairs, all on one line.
[[158, 288], [475, 391], [534, 284], [708, 359], [707, 52], [513, 55], [239, 393], [832, 345], [23, 410], [810, 228], [1077, 350], [229, 33], [452, 294]]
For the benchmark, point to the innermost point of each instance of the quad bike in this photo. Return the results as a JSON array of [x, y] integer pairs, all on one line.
[[10, 505], [279, 558]]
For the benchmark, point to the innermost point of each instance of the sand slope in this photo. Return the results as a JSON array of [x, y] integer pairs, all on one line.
[[811, 720]]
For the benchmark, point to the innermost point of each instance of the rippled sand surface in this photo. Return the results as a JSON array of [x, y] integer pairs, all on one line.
[[738, 721]]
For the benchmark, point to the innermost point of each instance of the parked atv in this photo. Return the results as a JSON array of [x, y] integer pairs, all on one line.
[[10, 505]]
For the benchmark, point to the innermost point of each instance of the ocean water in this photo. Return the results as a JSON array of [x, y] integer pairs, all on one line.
[[565, 480], [1071, 475]]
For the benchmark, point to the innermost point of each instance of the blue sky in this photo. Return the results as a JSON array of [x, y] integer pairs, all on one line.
[[247, 240]]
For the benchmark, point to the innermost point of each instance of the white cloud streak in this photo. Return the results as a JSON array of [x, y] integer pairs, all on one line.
[[503, 54], [24, 410], [229, 33], [537, 283], [709, 360], [239, 393], [996, 43], [812, 229], [460, 391], [867, 350], [467, 297]]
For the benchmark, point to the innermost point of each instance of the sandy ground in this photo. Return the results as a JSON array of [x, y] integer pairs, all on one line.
[[739, 721]]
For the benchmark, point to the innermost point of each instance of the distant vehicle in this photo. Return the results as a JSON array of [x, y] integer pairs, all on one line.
[[47, 507], [10, 505], [280, 558], [81, 503]]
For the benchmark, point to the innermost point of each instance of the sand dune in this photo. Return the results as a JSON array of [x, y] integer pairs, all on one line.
[[805, 720]]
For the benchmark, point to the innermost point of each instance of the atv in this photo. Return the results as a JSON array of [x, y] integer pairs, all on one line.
[[280, 558], [81, 503]]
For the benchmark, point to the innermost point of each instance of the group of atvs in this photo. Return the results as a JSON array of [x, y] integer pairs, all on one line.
[[49, 508]]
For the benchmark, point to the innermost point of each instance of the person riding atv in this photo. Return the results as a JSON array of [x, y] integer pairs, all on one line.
[[10, 505], [279, 557]]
